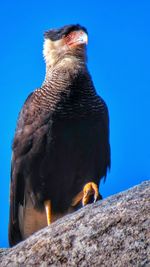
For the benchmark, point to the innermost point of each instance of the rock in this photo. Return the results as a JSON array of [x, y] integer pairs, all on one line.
[[111, 232]]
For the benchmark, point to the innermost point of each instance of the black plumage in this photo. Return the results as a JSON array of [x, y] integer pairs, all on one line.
[[62, 137]]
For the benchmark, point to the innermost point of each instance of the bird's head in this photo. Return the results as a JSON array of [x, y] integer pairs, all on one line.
[[68, 42]]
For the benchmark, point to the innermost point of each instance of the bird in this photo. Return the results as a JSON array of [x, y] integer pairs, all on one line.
[[61, 148]]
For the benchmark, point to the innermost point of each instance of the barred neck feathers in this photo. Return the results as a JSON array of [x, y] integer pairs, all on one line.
[[68, 89], [57, 85]]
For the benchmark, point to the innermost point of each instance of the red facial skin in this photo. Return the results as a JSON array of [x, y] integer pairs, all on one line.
[[76, 38]]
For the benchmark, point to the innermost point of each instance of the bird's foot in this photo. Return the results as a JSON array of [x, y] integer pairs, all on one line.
[[90, 189]]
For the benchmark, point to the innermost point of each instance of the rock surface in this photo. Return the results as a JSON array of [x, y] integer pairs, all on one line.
[[112, 232]]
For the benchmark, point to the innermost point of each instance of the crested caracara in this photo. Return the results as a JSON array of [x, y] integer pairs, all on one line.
[[61, 146]]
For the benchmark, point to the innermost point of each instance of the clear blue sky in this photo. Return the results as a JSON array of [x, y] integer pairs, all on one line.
[[118, 59]]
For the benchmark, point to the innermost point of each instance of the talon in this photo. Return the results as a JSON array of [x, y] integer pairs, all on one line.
[[89, 190], [47, 205]]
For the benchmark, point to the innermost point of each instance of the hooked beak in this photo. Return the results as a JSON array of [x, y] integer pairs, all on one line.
[[83, 38], [77, 38]]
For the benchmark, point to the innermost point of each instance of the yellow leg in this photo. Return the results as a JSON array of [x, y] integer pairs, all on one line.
[[47, 205], [88, 190]]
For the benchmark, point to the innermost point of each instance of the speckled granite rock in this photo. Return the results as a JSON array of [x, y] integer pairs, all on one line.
[[112, 232]]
